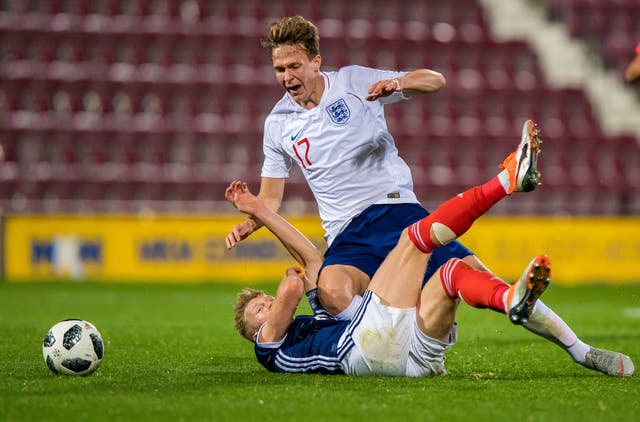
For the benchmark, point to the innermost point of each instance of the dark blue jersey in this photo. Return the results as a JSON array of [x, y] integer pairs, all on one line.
[[310, 345]]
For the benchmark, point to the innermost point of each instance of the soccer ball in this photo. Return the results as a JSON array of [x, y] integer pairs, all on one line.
[[74, 347]]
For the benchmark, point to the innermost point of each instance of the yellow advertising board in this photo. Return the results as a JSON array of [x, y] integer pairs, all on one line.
[[581, 249], [122, 248], [192, 248]]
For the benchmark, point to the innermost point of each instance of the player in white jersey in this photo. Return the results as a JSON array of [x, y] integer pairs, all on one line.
[[343, 147], [399, 328], [332, 125]]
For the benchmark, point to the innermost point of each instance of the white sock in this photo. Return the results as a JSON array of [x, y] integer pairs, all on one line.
[[503, 176], [546, 323], [578, 351], [350, 310]]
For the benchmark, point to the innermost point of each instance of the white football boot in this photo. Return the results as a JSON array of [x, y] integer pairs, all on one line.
[[609, 363], [522, 163]]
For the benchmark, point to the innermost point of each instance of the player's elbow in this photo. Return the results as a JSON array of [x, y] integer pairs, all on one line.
[[291, 287], [438, 81], [431, 81], [271, 192]]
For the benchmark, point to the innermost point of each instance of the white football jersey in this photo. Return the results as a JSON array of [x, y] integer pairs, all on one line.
[[342, 146]]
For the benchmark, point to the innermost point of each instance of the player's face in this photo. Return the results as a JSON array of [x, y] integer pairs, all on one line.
[[299, 75], [257, 310]]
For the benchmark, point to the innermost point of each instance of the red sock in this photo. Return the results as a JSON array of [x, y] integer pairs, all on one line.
[[457, 214], [479, 289], [493, 191]]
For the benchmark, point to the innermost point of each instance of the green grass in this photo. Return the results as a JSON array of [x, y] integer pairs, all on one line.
[[171, 353]]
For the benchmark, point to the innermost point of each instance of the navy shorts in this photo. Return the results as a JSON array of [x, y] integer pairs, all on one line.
[[369, 238]]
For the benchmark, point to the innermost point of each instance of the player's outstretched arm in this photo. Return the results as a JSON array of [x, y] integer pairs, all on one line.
[[421, 81], [298, 245], [271, 192], [284, 307]]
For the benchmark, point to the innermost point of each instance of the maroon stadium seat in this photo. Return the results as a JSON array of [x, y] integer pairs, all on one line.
[[138, 102]]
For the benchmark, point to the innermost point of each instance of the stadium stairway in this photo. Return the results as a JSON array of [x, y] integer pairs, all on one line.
[[571, 61]]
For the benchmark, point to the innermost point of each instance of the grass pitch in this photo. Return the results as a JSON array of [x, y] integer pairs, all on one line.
[[171, 353]]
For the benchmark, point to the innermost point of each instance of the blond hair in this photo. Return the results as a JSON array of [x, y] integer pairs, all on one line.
[[244, 297], [293, 30]]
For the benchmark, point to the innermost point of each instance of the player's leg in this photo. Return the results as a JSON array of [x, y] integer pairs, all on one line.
[[357, 252], [340, 283], [544, 322], [439, 301], [456, 280], [520, 301], [454, 249], [479, 289], [436, 310], [398, 280], [395, 280], [484, 290], [541, 320], [434, 330], [435, 317], [339, 288], [519, 174]]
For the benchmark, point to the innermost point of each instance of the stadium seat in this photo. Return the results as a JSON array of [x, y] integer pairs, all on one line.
[[119, 106], [610, 27]]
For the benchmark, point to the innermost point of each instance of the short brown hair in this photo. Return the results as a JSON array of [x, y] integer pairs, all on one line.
[[244, 297], [294, 30]]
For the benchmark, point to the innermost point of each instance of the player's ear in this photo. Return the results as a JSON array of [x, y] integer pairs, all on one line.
[[317, 62]]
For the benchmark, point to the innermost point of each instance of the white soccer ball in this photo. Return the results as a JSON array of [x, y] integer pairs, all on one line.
[[74, 347]]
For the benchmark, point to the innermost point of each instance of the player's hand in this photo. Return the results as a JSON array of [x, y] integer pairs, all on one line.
[[383, 88], [299, 274], [295, 272], [239, 195], [240, 232]]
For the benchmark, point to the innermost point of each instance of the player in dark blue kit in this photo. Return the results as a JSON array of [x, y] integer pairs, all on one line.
[[399, 329]]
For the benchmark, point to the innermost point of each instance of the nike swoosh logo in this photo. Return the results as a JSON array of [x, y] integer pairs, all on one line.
[[293, 137], [621, 371], [523, 155]]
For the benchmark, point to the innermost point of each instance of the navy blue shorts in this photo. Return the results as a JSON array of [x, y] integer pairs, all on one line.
[[369, 238]]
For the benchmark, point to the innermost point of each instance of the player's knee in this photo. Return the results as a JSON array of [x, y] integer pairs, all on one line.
[[333, 297], [475, 263], [335, 292]]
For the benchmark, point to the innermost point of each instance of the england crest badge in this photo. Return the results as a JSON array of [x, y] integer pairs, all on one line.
[[339, 112]]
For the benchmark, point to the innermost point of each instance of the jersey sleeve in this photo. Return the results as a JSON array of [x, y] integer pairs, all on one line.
[[266, 352], [276, 162], [363, 77]]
